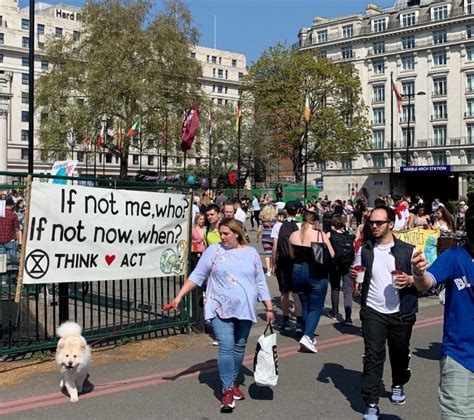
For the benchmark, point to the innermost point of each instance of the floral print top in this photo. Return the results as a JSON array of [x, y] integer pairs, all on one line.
[[235, 282]]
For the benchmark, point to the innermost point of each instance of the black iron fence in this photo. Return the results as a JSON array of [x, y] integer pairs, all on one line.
[[106, 310]]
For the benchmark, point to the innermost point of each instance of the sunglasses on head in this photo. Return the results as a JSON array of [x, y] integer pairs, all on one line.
[[378, 223]]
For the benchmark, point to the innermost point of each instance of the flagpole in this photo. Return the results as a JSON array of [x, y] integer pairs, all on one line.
[[95, 158], [103, 146], [166, 146], [209, 134], [184, 172], [391, 135], [238, 153], [306, 161], [140, 147]]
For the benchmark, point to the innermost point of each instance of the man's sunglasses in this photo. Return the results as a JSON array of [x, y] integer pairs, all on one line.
[[378, 223]]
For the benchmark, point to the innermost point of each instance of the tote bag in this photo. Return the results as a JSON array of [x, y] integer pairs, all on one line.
[[265, 362], [321, 263]]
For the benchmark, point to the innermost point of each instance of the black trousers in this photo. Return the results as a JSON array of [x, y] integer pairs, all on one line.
[[379, 329]]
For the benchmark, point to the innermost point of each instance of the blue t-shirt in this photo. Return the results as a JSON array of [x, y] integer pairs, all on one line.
[[455, 268]]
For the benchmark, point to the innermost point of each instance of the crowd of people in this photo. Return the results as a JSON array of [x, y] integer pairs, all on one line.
[[360, 255]]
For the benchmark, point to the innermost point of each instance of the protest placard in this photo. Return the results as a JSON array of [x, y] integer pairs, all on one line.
[[78, 234], [425, 240]]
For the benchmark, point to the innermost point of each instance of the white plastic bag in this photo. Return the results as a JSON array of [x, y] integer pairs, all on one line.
[[265, 362]]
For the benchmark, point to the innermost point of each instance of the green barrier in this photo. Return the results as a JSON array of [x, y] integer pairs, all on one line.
[[290, 193]]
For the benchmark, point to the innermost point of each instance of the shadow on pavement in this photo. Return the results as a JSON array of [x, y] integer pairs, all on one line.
[[348, 329], [431, 353]]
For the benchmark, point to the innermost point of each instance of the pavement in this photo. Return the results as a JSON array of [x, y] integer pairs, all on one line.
[[184, 383]]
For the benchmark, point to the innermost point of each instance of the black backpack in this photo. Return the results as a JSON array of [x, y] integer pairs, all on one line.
[[286, 229], [343, 244]]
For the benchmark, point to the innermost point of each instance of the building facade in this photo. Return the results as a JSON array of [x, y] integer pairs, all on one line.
[[221, 80], [427, 46]]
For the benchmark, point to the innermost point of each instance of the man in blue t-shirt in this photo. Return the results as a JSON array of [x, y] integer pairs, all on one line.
[[455, 269]]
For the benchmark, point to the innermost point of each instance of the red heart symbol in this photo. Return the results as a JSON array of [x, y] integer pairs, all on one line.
[[109, 259]]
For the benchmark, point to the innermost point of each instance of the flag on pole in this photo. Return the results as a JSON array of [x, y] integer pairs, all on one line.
[[119, 136], [190, 127], [398, 96], [239, 116], [164, 133], [86, 140], [101, 137], [135, 128], [209, 124], [307, 109]]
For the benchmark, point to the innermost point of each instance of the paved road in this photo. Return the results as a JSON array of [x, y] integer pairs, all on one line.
[[185, 384]]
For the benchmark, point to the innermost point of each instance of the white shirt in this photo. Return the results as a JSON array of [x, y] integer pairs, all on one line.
[[400, 223], [240, 215], [382, 296], [276, 228], [255, 204], [280, 205]]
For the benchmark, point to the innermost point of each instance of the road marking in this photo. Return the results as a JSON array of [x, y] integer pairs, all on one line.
[[56, 398]]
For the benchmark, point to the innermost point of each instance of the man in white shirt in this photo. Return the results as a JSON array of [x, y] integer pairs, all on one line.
[[239, 213], [388, 309]]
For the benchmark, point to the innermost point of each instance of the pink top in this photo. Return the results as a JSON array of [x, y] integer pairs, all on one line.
[[199, 244]]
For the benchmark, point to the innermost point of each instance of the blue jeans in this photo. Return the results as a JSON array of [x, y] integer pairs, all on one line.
[[11, 249], [312, 293], [232, 336]]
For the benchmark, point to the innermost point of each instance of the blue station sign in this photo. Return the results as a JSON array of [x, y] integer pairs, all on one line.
[[417, 169]]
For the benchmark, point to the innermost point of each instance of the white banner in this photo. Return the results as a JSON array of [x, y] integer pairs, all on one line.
[[80, 234]]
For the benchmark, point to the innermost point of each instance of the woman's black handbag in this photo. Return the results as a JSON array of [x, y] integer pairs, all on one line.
[[320, 263]]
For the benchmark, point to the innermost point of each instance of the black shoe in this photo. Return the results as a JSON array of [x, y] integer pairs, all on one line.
[[348, 322], [332, 315]]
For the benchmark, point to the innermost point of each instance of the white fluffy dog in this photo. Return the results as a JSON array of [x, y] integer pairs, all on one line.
[[73, 355]]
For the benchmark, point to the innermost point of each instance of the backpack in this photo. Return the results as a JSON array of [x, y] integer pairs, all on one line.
[[343, 245], [283, 246], [327, 221]]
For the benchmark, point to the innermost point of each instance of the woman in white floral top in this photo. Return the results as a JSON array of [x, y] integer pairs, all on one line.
[[236, 283]]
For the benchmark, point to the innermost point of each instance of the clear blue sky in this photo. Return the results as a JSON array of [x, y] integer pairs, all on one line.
[[251, 26]]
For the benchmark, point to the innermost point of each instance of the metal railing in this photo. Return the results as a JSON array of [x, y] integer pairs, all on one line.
[[106, 310]]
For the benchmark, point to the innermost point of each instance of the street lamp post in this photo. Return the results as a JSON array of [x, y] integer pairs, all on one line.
[[71, 141], [104, 130], [408, 136]]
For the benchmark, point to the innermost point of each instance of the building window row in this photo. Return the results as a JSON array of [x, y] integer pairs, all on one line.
[[215, 59]]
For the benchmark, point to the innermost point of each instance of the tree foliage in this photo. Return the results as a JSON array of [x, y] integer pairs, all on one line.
[[278, 84], [127, 63]]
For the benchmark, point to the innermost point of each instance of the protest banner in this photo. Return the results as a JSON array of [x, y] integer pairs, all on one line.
[[79, 234], [63, 168], [425, 240]]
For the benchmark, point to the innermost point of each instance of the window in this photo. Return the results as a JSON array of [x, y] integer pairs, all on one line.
[[378, 66], [470, 83], [41, 45], [198, 161], [470, 7], [408, 112], [379, 116], [378, 93], [322, 36], [439, 158], [24, 135], [207, 58], [58, 32], [220, 73], [80, 156], [470, 134], [2, 38], [44, 65], [470, 53], [408, 62], [234, 62], [25, 24], [178, 161], [378, 139], [469, 108], [25, 42], [408, 88], [408, 136], [241, 76], [408, 42], [220, 60], [439, 135], [347, 52], [214, 59], [378, 160], [25, 61], [322, 54], [108, 158], [440, 110], [470, 31], [1, 20], [135, 159], [439, 86], [219, 101], [25, 98], [470, 157], [379, 47], [76, 36], [226, 74], [24, 154], [1, 58], [347, 32], [320, 166], [151, 160], [40, 29], [440, 58], [25, 79], [439, 13], [192, 54], [346, 163], [440, 37], [219, 89], [379, 25], [408, 19]]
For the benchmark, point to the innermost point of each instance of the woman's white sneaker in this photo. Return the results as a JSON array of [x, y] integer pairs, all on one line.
[[308, 345]]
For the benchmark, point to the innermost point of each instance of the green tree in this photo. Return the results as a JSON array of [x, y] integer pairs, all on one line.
[[277, 85], [127, 63]]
